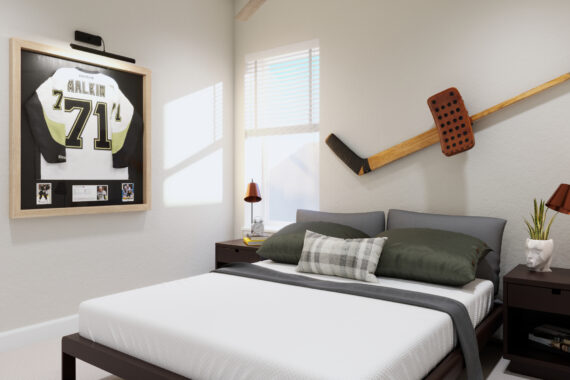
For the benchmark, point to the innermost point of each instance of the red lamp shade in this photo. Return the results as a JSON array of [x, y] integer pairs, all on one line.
[[252, 193], [560, 200]]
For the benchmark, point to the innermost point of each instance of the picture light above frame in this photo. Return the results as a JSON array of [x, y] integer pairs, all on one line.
[[362, 166], [96, 41]]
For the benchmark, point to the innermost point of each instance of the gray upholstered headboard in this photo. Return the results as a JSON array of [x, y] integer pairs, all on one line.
[[490, 230], [371, 223]]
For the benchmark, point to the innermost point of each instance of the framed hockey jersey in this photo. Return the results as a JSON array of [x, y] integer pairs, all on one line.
[[79, 125]]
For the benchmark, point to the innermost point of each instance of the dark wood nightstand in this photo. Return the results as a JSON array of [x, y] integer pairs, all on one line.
[[532, 299], [235, 251]]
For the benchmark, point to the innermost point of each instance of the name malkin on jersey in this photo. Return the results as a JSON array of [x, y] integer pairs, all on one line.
[[87, 88]]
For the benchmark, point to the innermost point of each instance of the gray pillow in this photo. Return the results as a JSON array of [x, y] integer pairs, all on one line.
[[371, 223], [349, 258], [489, 230], [286, 245]]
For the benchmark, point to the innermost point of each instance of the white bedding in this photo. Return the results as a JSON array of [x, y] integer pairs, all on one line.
[[216, 326]]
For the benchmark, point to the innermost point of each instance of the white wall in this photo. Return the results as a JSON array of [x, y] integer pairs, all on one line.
[[49, 265], [381, 60]]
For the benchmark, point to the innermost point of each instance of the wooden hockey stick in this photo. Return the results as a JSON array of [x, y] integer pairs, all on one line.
[[364, 165]]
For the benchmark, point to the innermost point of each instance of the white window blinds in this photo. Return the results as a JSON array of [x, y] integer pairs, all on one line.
[[282, 91]]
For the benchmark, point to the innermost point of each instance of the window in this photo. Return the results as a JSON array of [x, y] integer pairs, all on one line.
[[281, 130]]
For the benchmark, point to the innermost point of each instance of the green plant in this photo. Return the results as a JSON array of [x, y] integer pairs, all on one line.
[[536, 229]]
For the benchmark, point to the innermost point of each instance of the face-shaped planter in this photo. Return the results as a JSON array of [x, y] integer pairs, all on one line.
[[539, 255]]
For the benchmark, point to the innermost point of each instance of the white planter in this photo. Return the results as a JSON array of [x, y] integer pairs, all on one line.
[[539, 255]]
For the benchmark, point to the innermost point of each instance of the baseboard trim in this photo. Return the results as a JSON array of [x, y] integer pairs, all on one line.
[[52, 329]]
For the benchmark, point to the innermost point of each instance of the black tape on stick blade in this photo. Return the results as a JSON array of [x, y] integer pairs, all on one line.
[[357, 164]]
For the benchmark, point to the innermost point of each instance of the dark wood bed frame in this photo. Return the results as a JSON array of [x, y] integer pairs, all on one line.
[[130, 368]]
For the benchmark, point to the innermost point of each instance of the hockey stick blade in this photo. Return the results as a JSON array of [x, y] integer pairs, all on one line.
[[357, 164]]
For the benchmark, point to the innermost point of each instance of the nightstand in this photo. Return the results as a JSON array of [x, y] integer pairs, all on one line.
[[235, 251], [532, 299]]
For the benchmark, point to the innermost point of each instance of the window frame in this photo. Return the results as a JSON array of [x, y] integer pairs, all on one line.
[[311, 127]]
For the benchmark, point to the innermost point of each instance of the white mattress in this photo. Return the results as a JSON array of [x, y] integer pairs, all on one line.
[[216, 326]]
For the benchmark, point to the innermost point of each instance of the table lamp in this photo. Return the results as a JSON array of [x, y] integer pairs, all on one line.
[[252, 195], [560, 200]]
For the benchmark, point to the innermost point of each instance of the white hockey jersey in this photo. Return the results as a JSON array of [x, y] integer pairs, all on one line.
[[84, 126]]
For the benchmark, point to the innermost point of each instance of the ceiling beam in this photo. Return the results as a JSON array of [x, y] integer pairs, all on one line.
[[249, 9]]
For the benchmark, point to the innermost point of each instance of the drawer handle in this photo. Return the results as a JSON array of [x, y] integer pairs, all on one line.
[[556, 292], [236, 250]]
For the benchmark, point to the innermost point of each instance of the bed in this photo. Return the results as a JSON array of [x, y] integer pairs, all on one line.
[[218, 326]]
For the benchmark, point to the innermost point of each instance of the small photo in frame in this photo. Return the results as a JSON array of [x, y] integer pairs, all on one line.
[[128, 192], [102, 192], [43, 193]]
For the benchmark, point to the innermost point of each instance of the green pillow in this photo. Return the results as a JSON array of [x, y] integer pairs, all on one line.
[[286, 245], [436, 256]]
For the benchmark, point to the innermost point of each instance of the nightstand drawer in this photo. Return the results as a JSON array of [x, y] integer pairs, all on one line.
[[549, 300], [231, 255]]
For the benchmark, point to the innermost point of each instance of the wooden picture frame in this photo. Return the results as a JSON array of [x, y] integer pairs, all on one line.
[[142, 76]]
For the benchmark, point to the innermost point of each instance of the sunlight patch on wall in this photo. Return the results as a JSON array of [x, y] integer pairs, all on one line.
[[192, 123], [200, 183], [193, 152]]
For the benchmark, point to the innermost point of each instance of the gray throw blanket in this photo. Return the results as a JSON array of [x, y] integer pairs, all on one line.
[[456, 310]]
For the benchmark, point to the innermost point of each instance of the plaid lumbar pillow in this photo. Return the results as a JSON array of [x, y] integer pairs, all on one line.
[[350, 258]]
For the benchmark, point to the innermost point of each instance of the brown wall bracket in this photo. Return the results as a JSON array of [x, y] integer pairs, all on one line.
[[365, 165]]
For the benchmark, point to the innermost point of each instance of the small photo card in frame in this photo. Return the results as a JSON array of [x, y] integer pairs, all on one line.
[[102, 192], [128, 192], [43, 193]]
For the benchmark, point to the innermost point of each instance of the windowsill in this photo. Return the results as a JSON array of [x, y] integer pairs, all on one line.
[[270, 228]]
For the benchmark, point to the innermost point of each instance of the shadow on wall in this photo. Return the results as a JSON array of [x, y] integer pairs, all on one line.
[[520, 107], [34, 230], [445, 184], [445, 180], [193, 149], [427, 181]]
